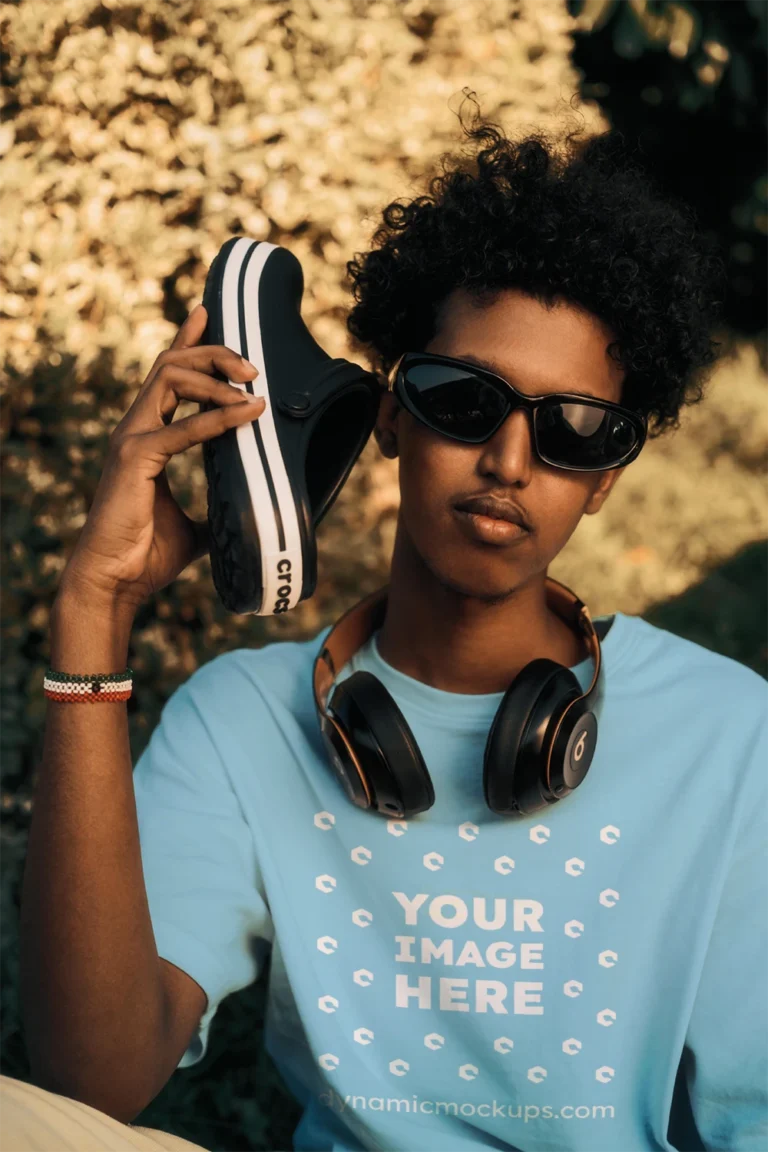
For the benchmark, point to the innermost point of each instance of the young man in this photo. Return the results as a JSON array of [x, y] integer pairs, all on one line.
[[589, 976]]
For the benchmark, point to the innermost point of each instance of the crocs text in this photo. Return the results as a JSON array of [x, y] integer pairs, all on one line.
[[283, 593]]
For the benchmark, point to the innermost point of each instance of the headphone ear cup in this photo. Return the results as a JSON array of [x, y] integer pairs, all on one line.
[[515, 751], [384, 746]]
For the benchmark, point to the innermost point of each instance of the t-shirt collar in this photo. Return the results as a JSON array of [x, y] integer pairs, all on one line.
[[475, 708]]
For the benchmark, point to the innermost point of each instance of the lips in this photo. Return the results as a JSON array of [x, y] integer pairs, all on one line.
[[496, 509]]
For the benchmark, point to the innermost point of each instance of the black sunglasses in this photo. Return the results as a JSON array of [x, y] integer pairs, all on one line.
[[470, 404]]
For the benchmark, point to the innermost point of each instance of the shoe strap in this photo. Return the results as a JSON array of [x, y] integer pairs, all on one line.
[[337, 377]]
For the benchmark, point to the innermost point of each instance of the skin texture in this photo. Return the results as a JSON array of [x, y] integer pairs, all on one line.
[[463, 615]]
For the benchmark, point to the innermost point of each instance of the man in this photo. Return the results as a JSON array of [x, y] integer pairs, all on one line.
[[589, 976]]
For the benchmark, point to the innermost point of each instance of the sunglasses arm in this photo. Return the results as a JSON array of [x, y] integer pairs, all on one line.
[[392, 375]]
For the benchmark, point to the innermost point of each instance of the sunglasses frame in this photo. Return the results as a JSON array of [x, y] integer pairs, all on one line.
[[396, 377]]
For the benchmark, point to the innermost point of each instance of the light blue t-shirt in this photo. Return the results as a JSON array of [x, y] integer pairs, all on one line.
[[592, 977]]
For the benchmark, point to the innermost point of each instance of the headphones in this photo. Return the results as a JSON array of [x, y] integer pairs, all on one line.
[[539, 747]]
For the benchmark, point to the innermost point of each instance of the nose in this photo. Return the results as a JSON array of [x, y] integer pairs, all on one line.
[[509, 453]]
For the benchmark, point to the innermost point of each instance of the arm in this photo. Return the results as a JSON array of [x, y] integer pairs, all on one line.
[[105, 1020]]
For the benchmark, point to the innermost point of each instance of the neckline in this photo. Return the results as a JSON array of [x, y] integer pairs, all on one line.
[[471, 709]]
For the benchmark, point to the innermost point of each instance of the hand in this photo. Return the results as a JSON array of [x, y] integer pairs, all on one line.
[[137, 539]]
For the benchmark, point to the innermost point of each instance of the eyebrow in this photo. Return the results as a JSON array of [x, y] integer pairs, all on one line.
[[492, 366]]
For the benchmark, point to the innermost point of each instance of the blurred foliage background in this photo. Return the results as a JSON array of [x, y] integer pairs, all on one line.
[[687, 82], [135, 138]]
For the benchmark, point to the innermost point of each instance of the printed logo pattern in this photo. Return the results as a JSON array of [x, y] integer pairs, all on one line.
[[423, 911], [397, 827]]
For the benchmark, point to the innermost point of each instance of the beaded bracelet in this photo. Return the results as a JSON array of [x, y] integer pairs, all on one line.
[[74, 689]]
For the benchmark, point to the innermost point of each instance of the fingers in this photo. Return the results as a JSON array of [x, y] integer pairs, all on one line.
[[212, 357], [182, 434], [174, 383], [192, 329], [187, 336]]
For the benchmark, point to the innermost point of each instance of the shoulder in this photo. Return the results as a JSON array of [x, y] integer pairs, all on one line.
[[701, 668], [281, 670]]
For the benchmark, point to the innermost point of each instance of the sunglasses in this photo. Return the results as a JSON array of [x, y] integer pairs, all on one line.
[[470, 404]]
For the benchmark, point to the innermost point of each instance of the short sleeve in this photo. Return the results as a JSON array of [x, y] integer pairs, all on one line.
[[727, 1039], [206, 899]]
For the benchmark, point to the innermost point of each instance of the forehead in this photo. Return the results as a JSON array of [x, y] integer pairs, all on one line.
[[538, 348]]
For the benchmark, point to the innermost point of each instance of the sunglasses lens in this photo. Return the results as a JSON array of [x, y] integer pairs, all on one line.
[[454, 401], [577, 435]]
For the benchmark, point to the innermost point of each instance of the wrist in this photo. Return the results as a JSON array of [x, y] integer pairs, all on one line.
[[89, 635], [87, 599]]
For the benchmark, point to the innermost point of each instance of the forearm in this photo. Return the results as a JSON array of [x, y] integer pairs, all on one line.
[[91, 985]]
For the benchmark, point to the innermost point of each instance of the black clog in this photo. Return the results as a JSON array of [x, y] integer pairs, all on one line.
[[271, 481]]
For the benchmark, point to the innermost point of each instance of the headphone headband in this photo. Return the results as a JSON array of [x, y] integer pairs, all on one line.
[[360, 621], [575, 613]]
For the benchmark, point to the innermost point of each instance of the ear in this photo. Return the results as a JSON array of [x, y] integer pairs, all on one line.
[[600, 494], [385, 429]]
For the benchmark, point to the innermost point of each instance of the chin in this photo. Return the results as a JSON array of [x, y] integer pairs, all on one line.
[[475, 585], [455, 565]]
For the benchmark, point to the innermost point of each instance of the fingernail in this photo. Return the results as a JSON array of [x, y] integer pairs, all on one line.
[[250, 396], [247, 364]]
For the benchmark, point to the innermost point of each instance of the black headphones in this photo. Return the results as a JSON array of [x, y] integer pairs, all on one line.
[[539, 748]]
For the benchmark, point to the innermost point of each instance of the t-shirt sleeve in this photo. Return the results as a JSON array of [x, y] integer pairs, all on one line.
[[206, 898], [727, 1039]]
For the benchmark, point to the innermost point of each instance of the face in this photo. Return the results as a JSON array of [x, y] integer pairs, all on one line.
[[539, 350]]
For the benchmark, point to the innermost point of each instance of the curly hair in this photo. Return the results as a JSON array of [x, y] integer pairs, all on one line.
[[580, 222]]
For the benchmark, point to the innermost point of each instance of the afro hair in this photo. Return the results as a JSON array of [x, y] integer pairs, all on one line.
[[578, 221]]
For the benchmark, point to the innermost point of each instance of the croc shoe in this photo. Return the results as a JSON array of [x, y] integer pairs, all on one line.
[[271, 481]]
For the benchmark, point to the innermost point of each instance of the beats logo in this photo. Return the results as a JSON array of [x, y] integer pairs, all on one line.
[[284, 591]]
